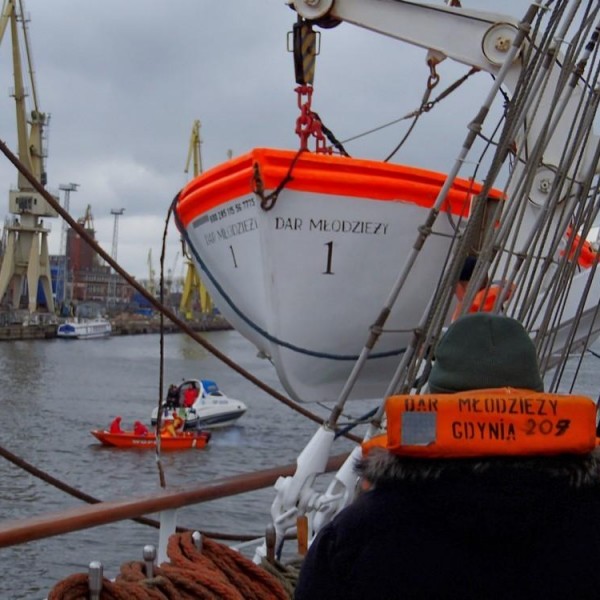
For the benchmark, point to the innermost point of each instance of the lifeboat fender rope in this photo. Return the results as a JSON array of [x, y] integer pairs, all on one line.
[[214, 572], [331, 137], [268, 202]]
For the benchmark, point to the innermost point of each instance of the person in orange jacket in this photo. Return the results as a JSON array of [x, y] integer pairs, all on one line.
[[173, 427], [485, 299], [587, 255]]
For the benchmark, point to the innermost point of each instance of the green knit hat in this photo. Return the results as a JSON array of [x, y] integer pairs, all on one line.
[[480, 351]]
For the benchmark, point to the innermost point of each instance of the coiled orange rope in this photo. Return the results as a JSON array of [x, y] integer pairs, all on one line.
[[216, 572]]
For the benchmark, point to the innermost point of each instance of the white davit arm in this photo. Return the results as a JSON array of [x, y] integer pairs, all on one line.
[[475, 38], [296, 494]]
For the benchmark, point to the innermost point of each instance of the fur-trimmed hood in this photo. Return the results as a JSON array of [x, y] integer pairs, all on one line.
[[576, 471], [463, 528]]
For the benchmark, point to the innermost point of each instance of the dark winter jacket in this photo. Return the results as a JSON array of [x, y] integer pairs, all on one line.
[[482, 529]]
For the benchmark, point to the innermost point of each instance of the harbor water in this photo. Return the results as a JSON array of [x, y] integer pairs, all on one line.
[[55, 391]]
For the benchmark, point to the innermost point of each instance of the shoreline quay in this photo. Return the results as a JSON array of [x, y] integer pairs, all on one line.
[[120, 326]]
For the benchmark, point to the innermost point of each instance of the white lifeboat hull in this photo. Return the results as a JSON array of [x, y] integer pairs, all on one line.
[[305, 280]]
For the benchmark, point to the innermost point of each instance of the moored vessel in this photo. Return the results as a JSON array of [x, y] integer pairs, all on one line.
[[84, 329]]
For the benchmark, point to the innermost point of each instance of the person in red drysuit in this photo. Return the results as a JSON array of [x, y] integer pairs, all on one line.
[[115, 426], [189, 396], [139, 428]]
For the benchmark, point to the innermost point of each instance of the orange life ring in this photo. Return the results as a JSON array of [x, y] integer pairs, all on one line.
[[587, 255], [485, 299]]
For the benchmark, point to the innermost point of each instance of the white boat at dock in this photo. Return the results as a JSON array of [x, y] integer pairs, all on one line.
[[84, 329]]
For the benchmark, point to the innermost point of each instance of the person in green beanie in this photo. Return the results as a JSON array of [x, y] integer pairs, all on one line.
[[492, 527], [483, 350]]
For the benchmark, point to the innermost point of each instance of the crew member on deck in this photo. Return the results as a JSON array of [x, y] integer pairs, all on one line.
[[115, 426], [486, 487], [173, 427], [172, 400], [487, 295], [139, 428], [190, 395]]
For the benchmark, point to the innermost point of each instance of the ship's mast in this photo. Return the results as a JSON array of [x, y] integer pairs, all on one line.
[[26, 257]]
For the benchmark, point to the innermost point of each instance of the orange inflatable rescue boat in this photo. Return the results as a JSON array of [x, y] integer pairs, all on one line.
[[171, 438]]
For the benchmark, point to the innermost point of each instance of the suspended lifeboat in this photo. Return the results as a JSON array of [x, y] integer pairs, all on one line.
[[300, 251]]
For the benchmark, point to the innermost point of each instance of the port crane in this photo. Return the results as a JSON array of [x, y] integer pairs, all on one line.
[[192, 284], [26, 259]]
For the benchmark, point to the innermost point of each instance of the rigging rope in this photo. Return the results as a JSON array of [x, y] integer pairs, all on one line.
[[432, 81], [535, 264], [502, 254], [424, 107], [268, 202]]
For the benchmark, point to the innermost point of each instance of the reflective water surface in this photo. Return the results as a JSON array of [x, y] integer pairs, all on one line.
[[53, 392]]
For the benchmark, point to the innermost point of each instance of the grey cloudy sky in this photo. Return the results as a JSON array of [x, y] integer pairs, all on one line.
[[124, 81]]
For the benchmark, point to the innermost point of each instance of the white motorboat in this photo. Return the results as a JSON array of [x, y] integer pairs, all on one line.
[[84, 329], [210, 409]]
